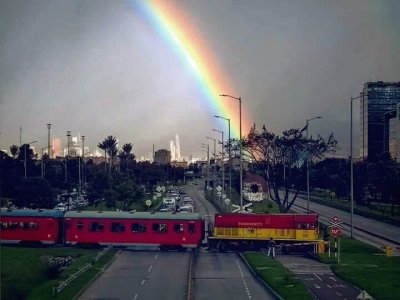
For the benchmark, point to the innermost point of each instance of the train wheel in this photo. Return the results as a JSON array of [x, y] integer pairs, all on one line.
[[285, 249], [221, 246]]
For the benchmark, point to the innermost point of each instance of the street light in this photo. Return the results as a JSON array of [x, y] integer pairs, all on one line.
[[208, 163], [351, 163], [27, 145], [308, 162], [215, 159], [222, 160], [240, 147], [229, 154]]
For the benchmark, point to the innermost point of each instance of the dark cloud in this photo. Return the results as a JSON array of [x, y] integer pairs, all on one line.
[[99, 68]]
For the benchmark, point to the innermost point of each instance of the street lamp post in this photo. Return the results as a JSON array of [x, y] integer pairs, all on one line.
[[351, 164], [308, 162], [222, 159], [229, 154], [27, 145], [214, 169], [83, 161], [208, 163], [66, 159], [48, 141], [240, 147]]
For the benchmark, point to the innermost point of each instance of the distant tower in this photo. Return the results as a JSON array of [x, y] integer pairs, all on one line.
[[172, 149], [177, 148], [57, 151]]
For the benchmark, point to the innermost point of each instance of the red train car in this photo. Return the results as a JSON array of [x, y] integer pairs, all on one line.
[[167, 231], [257, 229], [31, 226]]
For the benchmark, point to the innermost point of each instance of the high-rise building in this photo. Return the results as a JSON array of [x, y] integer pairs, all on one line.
[[177, 148], [394, 134], [378, 98], [172, 150], [162, 157], [56, 148]]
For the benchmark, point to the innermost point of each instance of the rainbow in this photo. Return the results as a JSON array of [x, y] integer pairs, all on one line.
[[186, 41]]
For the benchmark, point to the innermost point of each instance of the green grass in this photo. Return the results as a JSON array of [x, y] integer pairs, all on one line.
[[281, 280], [265, 206], [23, 273], [367, 268]]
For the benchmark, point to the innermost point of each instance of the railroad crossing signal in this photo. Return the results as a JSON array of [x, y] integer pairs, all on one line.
[[335, 222], [336, 232], [335, 226]]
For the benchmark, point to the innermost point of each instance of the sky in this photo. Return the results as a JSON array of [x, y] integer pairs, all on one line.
[[144, 71]]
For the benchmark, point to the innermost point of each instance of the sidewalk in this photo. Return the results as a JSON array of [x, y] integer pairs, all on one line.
[[318, 278]]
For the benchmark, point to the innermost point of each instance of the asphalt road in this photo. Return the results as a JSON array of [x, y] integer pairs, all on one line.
[[360, 224], [224, 276], [319, 278], [143, 275]]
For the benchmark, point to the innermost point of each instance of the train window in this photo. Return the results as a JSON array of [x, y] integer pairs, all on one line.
[[178, 227], [79, 226], [33, 225], [3, 225], [191, 228], [137, 227], [96, 226], [117, 227], [159, 227], [13, 225]]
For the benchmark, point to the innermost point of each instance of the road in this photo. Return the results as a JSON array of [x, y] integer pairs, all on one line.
[[143, 275], [361, 225], [319, 278], [225, 276], [221, 275]]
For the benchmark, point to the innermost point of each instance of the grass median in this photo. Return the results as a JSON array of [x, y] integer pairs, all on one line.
[[281, 280], [368, 268], [24, 271]]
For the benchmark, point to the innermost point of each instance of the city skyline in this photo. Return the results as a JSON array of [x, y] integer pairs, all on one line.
[[103, 68]]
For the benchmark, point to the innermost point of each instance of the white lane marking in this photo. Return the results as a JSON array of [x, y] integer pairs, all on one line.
[[339, 294], [155, 257], [135, 297], [317, 277], [333, 278], [243, 280], [143, 281], [149, 270], [328, 286], [317, 286]]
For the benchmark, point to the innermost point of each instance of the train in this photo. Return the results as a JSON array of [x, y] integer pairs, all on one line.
[[167, 231]]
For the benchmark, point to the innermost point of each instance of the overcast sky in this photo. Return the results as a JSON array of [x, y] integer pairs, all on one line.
[[98, 68]]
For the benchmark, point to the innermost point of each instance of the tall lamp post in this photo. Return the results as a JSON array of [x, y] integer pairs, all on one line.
[[208, 162], [240, 147], [66, 158], [222, 160], [351, 164], [215, 159], [308, 162], [26, 146], [229, 154]]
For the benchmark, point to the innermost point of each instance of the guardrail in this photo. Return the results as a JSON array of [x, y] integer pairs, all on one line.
[[63, 284]]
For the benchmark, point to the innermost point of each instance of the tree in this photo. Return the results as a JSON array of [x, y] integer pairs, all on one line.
[[109, 145], [103, 146], [126, 156], [34, 192], [271, 153], [14, 151]]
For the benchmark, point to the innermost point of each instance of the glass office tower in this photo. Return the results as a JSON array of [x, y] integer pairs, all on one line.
[[378, 100]]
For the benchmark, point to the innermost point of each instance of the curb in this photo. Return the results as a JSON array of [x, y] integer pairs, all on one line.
[[267, 287]]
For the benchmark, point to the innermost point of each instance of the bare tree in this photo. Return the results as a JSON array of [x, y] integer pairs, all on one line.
[[271, 152]]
